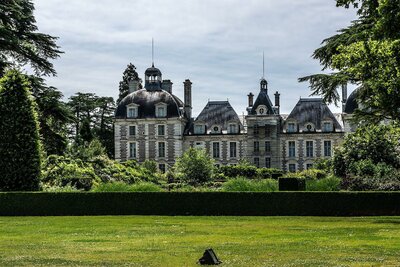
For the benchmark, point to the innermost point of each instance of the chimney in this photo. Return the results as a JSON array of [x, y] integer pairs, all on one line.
[[133, 85], [277, 100], [344, 96], [167, 86], [187, 87], [250, 96]]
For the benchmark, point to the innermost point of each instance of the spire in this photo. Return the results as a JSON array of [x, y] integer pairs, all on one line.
[[152, 52]]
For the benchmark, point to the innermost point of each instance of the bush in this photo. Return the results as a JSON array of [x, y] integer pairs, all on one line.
[[292, 184], [266, 173], [195, 166], [313, 174], [248, 171], [122, 187], [20, 149], [330, 183], [60, 171], [244, 185], [150, 165]]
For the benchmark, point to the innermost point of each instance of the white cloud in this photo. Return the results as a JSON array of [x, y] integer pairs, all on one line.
[[217, 44]]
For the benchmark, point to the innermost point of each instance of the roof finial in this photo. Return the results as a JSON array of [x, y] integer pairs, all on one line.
[[152, 52]]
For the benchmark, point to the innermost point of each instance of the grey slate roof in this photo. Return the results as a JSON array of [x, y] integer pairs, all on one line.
[[263, 99], [312, 110], [147, 100], [218, 113], [351, 103]]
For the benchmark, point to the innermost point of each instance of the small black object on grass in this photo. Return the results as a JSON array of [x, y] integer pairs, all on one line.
[[209, 258]]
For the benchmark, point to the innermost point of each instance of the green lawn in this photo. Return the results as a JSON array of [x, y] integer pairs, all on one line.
[[180, 241]]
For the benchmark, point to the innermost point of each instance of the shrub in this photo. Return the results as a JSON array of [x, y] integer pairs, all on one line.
[[150, 165], [292, 184], [266, 173], [313, 174], [330, 183], [122, 187], [195, 166], [20, 150], [248, 171], [244, 185], [60, 171]]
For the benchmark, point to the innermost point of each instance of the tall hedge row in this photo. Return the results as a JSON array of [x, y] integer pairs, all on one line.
[[19, 135], [202, 203]]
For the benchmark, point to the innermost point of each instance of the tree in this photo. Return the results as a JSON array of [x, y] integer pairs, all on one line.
[[20, 155], [53, 116], [195, 166], [21, 43], [129, 74], [366, 53], [376, 144]]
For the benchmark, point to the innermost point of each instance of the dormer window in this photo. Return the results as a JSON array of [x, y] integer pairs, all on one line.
[[232, 128], [161, 110], [327, 127], [261, 110], [199, 129], [309, 127], [216, 129], [291, 127], [132, 111]]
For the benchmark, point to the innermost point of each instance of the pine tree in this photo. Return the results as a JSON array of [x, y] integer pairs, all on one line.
[[129, 74], [19, 135], [20, 42]]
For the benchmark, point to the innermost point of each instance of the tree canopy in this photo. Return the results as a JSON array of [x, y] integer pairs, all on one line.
[[20, 154], [129, 74], [367, 54], [20, 41]]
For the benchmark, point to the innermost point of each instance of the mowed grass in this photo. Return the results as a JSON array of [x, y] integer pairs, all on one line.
[[180, 241]]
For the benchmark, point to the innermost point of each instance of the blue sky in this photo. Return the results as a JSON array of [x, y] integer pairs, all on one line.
[[218, 45]]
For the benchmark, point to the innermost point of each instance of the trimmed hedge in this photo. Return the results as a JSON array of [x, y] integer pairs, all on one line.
[[201, 203], [292, 184]]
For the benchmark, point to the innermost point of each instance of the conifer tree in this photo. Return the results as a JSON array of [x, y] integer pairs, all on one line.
[[19, 135], [129, 74]]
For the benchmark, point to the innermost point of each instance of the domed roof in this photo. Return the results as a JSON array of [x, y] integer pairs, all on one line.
[[351, 103], [152, 71], [147, 101]]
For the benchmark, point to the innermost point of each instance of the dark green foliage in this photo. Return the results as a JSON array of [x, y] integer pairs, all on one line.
[[202, 203], [129, 74], [266, 173], [20, 41], [195, 166], [150, 165], [292, 184], [366, 53], [248, 171], [85, 132], [369, 146], [53, 116], [19, 135], [123, 187]]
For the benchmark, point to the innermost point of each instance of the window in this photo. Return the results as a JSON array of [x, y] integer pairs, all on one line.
[[132, 150], [232, 149], [267, 131], [327, 148], [199, 129], [215, 129], [256, 130], [161, 130], [232, 128], [292, 167], [309, 166], [309, 128], [161, 111], [132, 130], [257, 162], [327, 127], [215, 150], [309, 149], [132, 112], [256, 146], [292, 148], [291, 127], [161, 167], [261, 111], [161, 149], [267, 162], [267, 147]]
